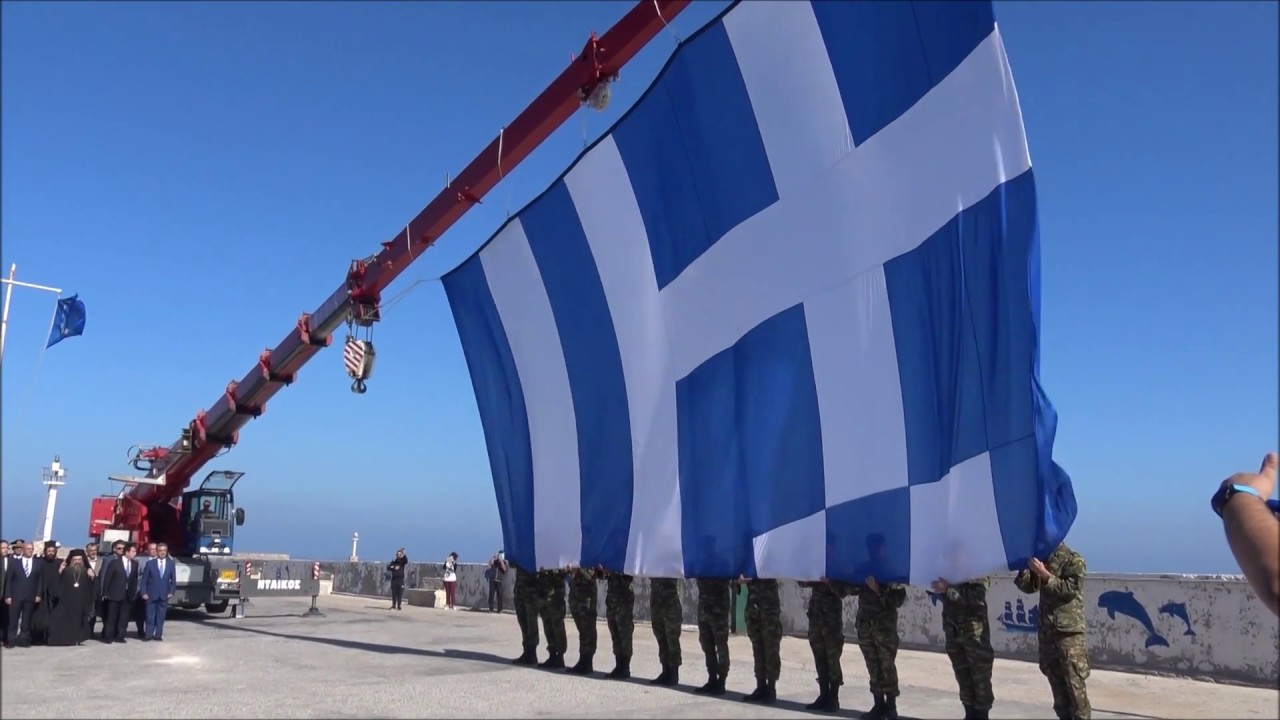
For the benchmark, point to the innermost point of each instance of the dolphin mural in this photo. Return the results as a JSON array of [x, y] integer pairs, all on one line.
[[1178, 610], [1124, 603]]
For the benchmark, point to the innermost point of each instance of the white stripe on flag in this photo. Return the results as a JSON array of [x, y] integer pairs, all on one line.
[[518, 292], [606, 206], [793, 90]]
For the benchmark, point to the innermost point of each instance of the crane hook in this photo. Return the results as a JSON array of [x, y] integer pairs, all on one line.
[[358, 387]]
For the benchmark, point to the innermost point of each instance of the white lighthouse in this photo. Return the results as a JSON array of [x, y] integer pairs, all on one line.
[[53, 479], [355, 540]]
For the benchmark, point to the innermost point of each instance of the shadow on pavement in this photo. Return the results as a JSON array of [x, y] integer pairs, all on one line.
[[368, 646]]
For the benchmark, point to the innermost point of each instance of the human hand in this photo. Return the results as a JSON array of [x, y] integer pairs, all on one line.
[[1038, 568], [1263, 482], [872, 585], [939, 586]]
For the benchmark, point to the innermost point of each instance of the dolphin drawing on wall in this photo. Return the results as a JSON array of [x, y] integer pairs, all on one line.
[[1124, 603], [1178, 610]]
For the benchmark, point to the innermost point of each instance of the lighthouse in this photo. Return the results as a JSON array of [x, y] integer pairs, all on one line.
[[53, 479]]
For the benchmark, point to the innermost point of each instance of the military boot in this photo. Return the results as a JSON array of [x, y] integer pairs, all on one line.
[[717, 689], [980, 714], [823, 689], [877, 708], [554, 661], [528, 657], [672, 676], [583, 667], [756, 694], [890, 707], [832, 703], [769, 696], [711, 683], [662, 678], [621, 669], [968, 711]]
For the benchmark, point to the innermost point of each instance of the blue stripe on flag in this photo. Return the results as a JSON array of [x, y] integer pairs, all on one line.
[[594, 365], [500, 398], [750, 445], [888, 55], [677, 143], [1012, 376], [938, 364], [852, 528]]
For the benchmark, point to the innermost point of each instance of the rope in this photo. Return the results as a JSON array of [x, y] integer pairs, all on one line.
[[658, 9]]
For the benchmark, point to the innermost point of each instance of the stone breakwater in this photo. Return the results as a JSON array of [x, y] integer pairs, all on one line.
[[1204, 626]]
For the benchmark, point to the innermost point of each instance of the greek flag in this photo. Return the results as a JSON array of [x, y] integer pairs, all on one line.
[[782, 319]]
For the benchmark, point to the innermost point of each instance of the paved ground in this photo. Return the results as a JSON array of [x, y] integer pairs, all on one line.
[[363, 661]]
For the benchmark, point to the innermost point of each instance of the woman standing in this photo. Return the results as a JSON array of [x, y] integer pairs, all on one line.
[[450, 580], [396, 568]]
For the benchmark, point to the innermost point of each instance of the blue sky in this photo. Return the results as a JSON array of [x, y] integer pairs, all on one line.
[[201, 174]]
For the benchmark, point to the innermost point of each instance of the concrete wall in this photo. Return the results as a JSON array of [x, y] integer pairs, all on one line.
[[1202, 626]]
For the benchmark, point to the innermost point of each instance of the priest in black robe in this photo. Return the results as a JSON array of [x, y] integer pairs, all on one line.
[[49, 566], [72, 603]]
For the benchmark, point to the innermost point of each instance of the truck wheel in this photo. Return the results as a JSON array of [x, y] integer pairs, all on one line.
[[215, 608]]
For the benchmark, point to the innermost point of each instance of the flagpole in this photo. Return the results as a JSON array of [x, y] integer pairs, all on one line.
[[10, 284]]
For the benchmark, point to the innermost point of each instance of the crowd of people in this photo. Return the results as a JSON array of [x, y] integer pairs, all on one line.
[[60, 601], [1059, 581]]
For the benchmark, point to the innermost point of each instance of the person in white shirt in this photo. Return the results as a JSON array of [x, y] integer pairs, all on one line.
[[450, 579]]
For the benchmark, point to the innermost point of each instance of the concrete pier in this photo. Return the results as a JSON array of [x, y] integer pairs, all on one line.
[[364, 660], [1195, 626]]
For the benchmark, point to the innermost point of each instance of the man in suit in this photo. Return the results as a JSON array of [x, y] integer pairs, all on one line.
[[93, 565], [159, 583], [4, 609], [139, 605], [119, 588], [22, 590]]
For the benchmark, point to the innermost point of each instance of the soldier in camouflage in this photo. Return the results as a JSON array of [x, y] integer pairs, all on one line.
[[582, 606], [764, 628], [619, 609], [877, 624], [968, 637], [826, 640], [1064, 657], [551, 609], [713, 632], [526, 597], [667, 616]]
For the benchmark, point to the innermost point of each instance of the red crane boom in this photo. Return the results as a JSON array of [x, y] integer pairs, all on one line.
[[141, 509]]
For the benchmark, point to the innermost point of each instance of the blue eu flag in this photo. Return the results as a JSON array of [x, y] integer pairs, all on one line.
[[68, 321]]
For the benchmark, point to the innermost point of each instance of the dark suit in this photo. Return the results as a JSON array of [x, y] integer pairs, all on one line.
[[20, 592], [4, 609], [119, 582], [157, 586], [97, 608]]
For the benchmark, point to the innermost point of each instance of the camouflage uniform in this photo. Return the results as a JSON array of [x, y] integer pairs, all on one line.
[[1064, 658], [582, 606], [551, 608], [666, 615], [619, 608], [968, 633], [526, 598], [713, 631], [764, 628], [877, 624], [826, 640]]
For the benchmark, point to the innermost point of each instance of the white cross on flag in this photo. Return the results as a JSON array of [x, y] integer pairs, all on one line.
[[782, 319]]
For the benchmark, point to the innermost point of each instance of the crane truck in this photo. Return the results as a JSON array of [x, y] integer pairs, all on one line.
[[156, 505]]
